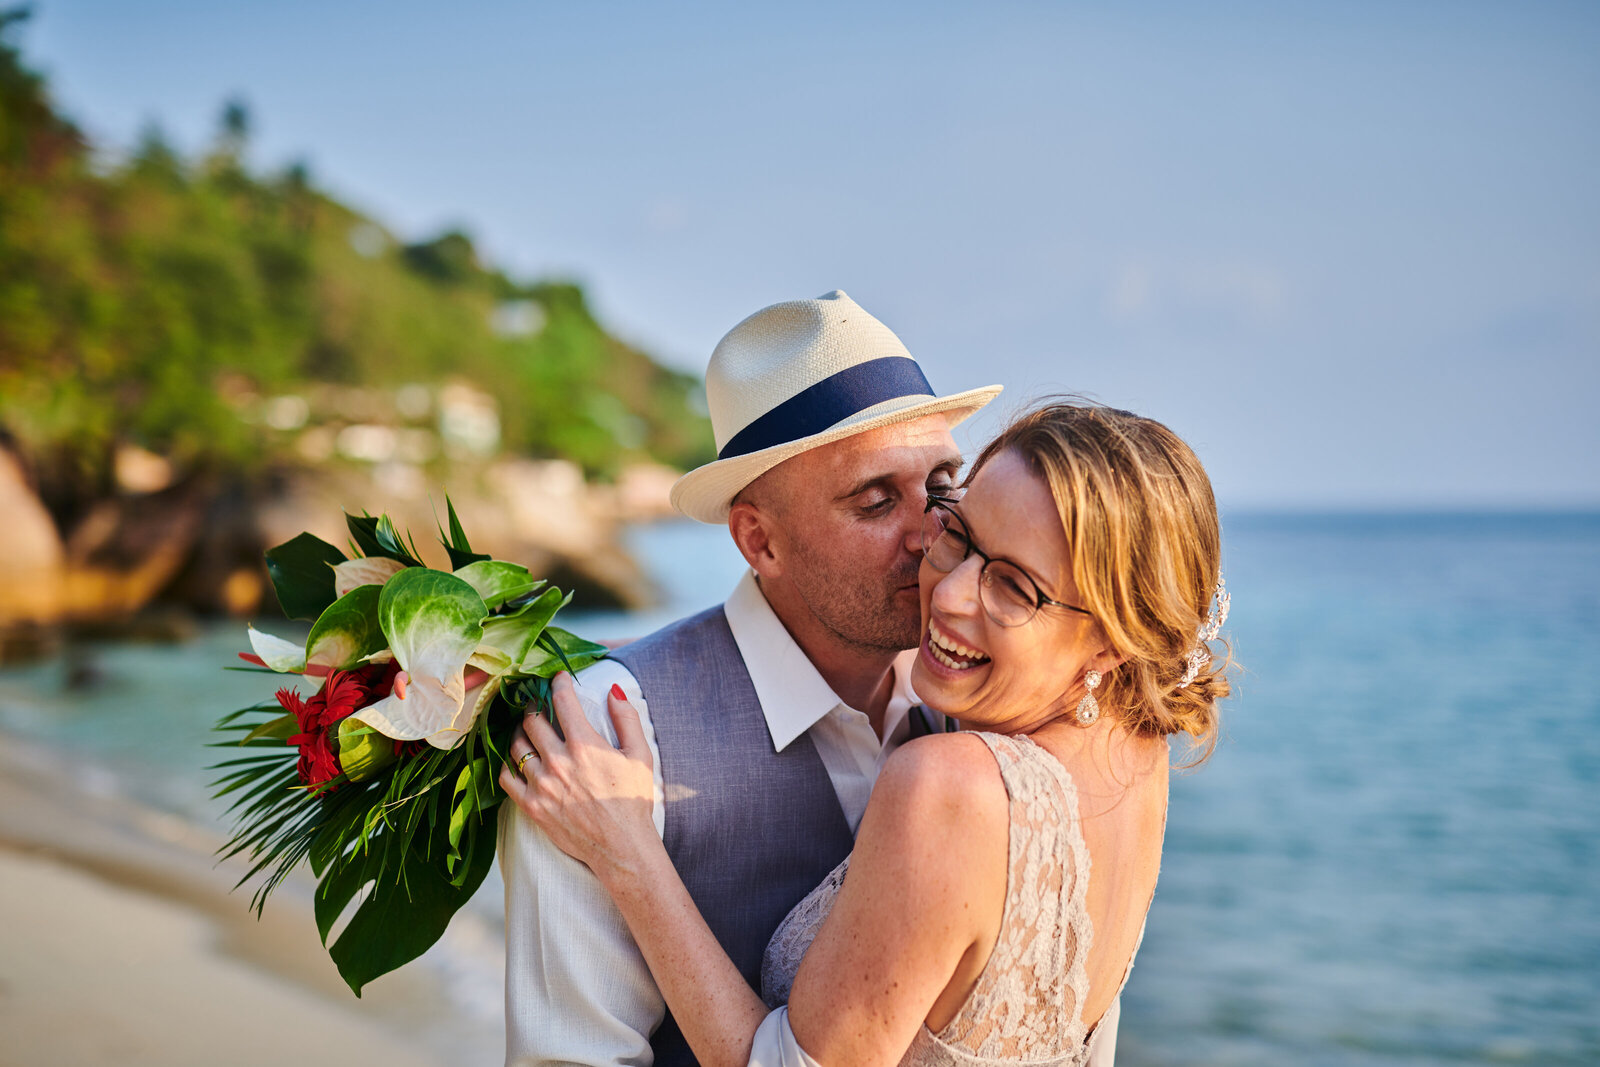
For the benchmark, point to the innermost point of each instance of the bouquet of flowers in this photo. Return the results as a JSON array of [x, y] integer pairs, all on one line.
[[382, 772]]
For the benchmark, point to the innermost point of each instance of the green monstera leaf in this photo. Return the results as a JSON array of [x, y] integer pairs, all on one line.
[[301, 574]]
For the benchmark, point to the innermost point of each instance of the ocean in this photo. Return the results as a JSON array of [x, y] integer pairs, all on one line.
[[1390, 859]]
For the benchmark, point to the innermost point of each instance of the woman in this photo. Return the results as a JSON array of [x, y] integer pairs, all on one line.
[[1001, 875]]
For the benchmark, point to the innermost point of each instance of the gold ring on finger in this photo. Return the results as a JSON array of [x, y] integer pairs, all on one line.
[[528, 756]]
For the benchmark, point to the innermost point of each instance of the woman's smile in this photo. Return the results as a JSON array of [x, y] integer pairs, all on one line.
[[950, 651]]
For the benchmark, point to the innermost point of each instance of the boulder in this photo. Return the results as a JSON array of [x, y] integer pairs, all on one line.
[[32, 557]]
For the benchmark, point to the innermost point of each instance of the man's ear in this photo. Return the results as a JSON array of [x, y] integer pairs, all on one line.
[[754, 532]]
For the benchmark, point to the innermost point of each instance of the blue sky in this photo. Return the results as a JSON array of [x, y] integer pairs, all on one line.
[[1351, 251]]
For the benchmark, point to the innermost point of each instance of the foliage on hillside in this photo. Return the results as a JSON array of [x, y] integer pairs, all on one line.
[[149, 299]]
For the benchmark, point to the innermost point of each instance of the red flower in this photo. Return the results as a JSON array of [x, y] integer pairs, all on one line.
[[319, 763], [344, 693]]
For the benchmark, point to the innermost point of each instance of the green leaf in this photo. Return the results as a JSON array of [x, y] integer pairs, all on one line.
[[364, 532], [391, 538], [559, 651], [348, 631], [497, 581], [335, 892], [458, 536], [302, 574], [535, 601], [456, 544], [474, 793], [281, 728], [404, 916], [338, 831], [515, 634], [575, 647], [376, 536]]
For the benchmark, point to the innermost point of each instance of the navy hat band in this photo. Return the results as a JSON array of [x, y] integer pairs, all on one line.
[[832, 400]]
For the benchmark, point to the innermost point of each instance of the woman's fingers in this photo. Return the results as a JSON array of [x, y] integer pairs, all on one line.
[[569, 711], [630, 731], [521, 752], [536, 730], [513, 776], [511, 779]]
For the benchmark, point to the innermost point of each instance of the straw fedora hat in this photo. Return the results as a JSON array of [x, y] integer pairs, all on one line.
[[801, 374]]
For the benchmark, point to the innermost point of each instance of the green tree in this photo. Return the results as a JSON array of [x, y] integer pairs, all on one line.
[[146, 303]]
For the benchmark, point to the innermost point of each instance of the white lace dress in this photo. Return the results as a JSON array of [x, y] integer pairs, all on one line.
[[1026, 1007]]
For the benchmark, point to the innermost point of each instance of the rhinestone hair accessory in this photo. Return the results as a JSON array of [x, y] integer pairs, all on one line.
[[1215, 617]]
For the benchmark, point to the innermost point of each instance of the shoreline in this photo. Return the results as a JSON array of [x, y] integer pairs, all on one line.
[[123, 944]]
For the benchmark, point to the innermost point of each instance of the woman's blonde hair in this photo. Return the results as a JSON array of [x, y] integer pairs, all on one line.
[[1146, 554]]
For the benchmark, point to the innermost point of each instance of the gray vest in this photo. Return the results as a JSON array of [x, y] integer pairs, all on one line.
[[751, 830]]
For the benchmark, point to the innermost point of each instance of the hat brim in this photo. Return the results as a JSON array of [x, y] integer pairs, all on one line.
[[706, 493]]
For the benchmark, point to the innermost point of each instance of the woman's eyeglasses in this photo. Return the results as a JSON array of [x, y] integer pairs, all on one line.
[[1010, 597]]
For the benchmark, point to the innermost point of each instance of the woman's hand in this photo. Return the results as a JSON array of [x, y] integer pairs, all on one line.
[[594, 801]]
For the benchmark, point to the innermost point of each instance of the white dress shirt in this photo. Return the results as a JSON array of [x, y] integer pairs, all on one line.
[[577, 988]]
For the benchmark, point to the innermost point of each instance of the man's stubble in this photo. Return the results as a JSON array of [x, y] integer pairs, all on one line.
[[866, 611]]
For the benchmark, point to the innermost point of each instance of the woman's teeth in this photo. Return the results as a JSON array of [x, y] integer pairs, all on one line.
[[952, 653]]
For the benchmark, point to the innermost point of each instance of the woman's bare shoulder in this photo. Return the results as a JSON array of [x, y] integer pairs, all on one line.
[[920, 906], [940, 778]]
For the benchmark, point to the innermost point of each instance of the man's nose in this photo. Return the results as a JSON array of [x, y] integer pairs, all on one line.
[[911, 536], [911, 529]]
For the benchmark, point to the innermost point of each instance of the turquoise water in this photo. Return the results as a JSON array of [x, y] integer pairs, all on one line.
[[1391, 859]]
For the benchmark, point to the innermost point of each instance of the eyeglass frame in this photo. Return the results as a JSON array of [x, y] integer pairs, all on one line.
[[948, 505]]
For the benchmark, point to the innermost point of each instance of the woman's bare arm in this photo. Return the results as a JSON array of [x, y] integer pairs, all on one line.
[[919, 911], [909, 933], [594, 802]]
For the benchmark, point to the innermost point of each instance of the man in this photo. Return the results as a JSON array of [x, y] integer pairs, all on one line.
[[768, 717]]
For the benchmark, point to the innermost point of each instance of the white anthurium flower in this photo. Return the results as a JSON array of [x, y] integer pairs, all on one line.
[[364, 570], [278, 654], [508, 638], [434, 623], [484, 694], [473, 701], [490, 660], [347, 632]]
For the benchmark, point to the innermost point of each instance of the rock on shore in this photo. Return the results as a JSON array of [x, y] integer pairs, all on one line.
[[195, 545]]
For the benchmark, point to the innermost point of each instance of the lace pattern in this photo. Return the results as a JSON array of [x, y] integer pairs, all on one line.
[[1027, 1004], [794, 935]]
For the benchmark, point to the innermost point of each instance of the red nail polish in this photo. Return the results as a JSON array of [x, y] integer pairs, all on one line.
[[616, 691]]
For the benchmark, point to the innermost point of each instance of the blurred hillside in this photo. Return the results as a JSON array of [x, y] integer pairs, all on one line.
[[186, 345]]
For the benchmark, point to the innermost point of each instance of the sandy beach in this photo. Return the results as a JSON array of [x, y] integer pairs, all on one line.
[[122, 944]]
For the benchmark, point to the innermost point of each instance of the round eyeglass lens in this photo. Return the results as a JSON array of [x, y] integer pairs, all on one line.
[[1009, 595]]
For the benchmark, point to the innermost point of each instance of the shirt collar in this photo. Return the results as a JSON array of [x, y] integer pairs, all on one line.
[[793, 694]]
